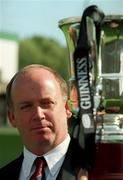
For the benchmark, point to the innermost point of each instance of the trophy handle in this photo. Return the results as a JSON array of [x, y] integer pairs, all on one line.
[[83, 53]]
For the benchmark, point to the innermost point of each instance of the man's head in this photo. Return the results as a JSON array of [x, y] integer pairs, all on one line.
[[61, 81], [36, 98]]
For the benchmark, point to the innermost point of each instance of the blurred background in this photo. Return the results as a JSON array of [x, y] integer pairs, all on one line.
[[29, 33]]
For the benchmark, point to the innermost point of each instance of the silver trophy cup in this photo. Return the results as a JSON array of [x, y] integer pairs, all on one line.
[[107, 84]]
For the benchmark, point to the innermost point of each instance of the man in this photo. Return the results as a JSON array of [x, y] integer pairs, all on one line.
[[36, 98]]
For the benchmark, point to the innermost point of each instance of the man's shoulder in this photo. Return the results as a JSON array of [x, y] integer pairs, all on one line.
[[75, 147], [76, 153], [74, 160], [12, 167]]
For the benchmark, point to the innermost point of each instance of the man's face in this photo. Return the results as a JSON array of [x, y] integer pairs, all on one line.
[[38, 109]]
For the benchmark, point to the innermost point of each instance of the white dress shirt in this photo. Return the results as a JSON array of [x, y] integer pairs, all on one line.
[[54, 159]]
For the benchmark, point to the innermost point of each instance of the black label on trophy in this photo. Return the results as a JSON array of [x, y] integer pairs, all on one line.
[[84, 92]]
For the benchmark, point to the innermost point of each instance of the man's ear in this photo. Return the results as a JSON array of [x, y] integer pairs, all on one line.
[[68, 112], [11, 118]]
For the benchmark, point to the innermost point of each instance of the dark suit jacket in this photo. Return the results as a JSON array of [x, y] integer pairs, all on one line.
[[74, 159]]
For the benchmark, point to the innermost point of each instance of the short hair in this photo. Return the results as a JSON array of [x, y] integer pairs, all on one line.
[[58, 77]]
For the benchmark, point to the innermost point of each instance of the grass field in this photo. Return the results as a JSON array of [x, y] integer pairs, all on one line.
[[10, 145]]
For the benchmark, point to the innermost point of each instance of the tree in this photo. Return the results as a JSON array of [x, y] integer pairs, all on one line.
[[46, 51]]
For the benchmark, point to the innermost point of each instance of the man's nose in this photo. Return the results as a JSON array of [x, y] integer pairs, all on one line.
[[39, 112]]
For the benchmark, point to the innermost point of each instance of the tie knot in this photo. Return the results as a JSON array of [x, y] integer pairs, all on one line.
[[40, 164]]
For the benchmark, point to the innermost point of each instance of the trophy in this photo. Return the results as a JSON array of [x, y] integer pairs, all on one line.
[[95, 45]]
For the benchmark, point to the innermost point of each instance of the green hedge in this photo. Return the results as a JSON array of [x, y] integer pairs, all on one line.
[[10, 145]]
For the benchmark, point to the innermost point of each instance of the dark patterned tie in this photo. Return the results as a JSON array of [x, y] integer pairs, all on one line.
[[40, 164]]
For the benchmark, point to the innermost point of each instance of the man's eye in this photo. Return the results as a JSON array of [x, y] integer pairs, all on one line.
[[26, 106], [47, 104]]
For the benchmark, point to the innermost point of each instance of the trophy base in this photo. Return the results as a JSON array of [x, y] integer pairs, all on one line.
[[108, 163], [112, 176]]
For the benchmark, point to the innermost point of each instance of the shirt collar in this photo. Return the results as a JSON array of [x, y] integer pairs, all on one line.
[[54, 162], [28, 162]]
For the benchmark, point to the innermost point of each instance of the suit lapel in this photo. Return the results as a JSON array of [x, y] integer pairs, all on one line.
[[17, 165], [74, 160]]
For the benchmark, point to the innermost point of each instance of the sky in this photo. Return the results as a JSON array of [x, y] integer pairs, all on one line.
[[27, 18]]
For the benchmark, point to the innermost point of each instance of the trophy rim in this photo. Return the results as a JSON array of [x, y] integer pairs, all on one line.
[[77, 19], [69, 20]]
